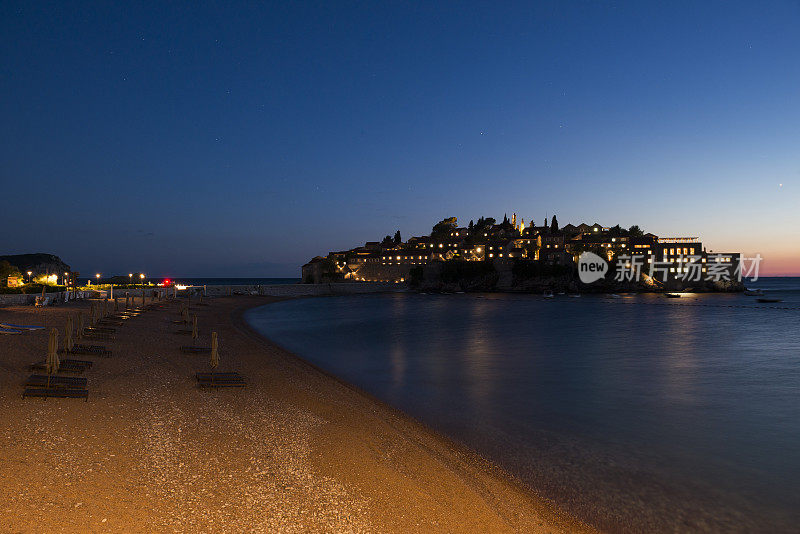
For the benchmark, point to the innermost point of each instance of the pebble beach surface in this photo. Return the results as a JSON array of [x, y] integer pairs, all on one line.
[[295, 451]]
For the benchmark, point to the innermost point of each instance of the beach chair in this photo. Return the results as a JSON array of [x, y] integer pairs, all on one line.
[[91, 350], [98, 335], [188, 349], [227, 379], [69, 382], [99, 329], [74, 367], [64, 393]]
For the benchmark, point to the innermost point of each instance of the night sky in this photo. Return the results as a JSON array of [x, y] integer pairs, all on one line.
[[241, 140]]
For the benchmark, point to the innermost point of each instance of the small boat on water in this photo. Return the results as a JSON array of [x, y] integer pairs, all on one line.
[[548, 294], [768, 300], [672, 295], [753, 292], [575, 295]]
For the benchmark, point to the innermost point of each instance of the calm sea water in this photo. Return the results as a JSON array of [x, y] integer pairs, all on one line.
[[638, 413]]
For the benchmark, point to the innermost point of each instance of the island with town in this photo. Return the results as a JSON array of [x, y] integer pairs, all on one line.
[[514, 256]]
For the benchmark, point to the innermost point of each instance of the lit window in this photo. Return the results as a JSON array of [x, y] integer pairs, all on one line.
[[440, 245], [398, 257], [491, 255]]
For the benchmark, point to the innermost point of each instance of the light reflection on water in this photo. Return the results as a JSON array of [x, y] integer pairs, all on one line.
[[636, 414]]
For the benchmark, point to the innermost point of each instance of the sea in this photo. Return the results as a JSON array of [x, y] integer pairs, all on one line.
[[635, 413]]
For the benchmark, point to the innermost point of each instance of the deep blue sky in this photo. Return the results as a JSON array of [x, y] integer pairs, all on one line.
[[234, 140]]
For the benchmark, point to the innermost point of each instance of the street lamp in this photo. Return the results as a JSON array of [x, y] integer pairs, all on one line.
[[29, 276], [98, 279], [130, 276], [66, 279]]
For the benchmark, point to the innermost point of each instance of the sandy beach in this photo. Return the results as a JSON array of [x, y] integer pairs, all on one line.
[[295, 451]]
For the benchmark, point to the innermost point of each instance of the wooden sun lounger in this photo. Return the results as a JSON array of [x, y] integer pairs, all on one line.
[[207, 375], [98, 335], [57, 381], [220, 380], [56, 392], [195, 350], [94, 350], [100, 329], [84, 363], [110, 322], [183, 332], [69, 368]]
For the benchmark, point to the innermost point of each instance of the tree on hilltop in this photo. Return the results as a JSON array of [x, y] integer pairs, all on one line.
[[554, 225], [635, 231], [445, 226], [485, 222], [397, 238]]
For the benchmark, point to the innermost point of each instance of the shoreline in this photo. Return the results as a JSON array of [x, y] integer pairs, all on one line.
[[465, 457], [298, 449]]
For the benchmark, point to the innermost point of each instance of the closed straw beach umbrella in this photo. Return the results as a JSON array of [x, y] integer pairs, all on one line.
[[194, 328], [52, 355], [214, 354], [105, 307], [68, 335], [116, 304], [80, 325], [127, 301]]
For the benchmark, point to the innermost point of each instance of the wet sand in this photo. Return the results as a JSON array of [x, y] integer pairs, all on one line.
[[295, 451]]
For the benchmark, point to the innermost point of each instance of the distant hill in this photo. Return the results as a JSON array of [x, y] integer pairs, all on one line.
[[39, 263]]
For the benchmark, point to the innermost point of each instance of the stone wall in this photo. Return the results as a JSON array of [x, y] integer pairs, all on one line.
[[276, 290], [27, 299]]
